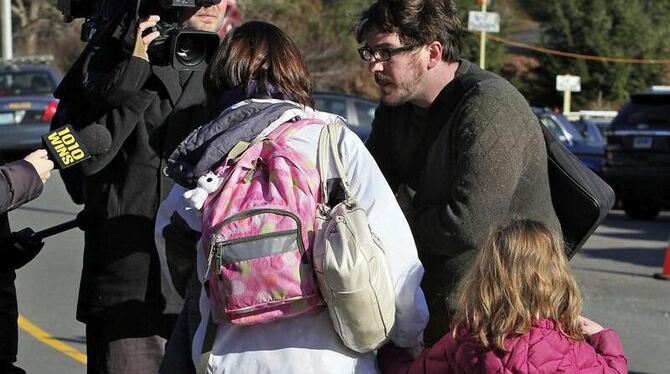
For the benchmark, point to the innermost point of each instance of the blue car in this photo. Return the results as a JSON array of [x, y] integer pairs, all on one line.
[[592, 131], [590, 152]]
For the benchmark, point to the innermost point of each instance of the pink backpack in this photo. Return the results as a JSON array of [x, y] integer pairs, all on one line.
[[258, 229]]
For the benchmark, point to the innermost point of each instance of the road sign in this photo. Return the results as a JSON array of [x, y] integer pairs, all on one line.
[[483, 21], [571, 83]]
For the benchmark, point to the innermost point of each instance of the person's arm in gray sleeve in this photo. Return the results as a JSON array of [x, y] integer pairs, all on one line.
[[20, 182], [23, 180]]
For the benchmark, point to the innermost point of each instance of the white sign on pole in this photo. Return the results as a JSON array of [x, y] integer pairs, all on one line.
[[570, 83], [483, 21]]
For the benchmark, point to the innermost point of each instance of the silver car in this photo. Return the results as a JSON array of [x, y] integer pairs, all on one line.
[[358, 112]]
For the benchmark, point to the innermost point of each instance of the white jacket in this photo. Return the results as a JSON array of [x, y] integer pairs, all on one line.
[[309, 344]]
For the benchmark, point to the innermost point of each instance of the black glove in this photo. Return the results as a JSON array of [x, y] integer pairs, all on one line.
[[22, 248]]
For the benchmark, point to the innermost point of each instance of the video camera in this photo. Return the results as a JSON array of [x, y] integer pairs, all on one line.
[[185, 49]]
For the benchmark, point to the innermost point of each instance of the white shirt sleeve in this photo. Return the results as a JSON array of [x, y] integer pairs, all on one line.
[[174, 203], [389, 224]]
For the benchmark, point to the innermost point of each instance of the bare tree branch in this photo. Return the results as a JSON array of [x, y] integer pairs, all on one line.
[[19, 10]]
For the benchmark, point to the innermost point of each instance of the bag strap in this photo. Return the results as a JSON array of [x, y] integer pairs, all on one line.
[[284, 131], [279, 135], [207, 345], [328, 141]]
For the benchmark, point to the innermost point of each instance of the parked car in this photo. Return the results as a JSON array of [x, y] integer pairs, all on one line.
[[358, 112], [590, 131], [638, 154], [591, 154], [602, 124], [601, 118], [27, 103]]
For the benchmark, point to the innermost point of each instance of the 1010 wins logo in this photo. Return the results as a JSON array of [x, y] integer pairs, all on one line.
[[64, 147]]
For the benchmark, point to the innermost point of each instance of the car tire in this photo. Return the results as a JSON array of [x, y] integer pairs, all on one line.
[[646, 209]]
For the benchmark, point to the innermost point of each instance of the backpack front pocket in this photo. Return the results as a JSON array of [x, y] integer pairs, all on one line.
[[259, 273]]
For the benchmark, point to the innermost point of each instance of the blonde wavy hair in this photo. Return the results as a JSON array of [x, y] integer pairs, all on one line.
[[519, 276]]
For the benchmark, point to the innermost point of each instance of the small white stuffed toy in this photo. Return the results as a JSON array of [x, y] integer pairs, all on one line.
[[207, 184]]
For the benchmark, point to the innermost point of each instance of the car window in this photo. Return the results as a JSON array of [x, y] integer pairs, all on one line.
[[365, 113], [332, 105], [654, 116], [584, 130], [553, 128], [602, 124], [589, 131], [25, 83], [574, 134], [581, 127]]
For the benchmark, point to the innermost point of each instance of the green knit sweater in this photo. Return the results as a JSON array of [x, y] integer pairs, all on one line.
[[477, 158]]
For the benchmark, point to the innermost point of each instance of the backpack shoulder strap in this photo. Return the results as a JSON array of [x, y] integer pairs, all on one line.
[[282, 133], [328, 145]]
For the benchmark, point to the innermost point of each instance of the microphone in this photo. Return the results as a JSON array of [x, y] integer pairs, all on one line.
[[22, 246], [80, 221], [68, 148], [97, 139], [53, 230]]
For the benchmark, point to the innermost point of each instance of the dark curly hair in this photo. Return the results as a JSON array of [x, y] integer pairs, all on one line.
[[415, 22]]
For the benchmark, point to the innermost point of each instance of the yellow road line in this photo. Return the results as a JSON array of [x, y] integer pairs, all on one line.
[[44, 337]]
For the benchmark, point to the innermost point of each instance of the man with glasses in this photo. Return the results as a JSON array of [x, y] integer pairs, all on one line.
[[460, 145]]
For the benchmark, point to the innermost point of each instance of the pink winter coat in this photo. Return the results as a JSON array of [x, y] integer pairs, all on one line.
[[542, 350]]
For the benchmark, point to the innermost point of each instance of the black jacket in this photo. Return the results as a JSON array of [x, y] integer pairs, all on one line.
[[19, 183], [148, 112]]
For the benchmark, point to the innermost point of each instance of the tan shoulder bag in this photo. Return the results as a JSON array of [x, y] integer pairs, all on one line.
[[350, 263]]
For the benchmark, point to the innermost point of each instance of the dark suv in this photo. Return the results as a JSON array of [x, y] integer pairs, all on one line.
[[638, 154]]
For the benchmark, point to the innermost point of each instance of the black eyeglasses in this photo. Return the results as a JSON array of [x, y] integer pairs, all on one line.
[[382, 54]]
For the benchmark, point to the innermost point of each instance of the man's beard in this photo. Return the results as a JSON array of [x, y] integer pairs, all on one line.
[[398, 93]]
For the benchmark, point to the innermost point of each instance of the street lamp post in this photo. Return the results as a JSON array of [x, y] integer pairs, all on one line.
[[6, 29], [482, 40]]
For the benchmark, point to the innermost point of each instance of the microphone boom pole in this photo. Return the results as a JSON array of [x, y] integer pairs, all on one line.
[[56, 229]]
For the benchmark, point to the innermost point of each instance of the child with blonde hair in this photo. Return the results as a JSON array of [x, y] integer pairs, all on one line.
[[519, 312]]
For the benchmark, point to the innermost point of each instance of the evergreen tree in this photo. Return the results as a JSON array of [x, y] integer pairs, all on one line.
[[613, 28], [471, 40], [322, 31]]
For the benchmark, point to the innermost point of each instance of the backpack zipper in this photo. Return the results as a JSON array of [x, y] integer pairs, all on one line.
[[246, 214]]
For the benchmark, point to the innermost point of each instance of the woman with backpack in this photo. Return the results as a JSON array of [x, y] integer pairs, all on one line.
[[258, 285]]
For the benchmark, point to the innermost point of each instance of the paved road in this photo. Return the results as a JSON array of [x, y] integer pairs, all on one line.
[[614, 270], [47, 287]]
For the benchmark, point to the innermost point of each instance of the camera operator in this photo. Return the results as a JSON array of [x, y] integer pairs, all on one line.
[[148, 106], [20, 182]]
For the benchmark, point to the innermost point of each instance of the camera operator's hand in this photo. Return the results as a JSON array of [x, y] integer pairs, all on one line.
[[40, 161], [144, 38], [21, 249]]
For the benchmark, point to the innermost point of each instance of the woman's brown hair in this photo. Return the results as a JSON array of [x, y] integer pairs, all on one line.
[[519, 276], [261, 53]]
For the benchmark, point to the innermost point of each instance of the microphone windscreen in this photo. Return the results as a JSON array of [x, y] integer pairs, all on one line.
[[96, 138]]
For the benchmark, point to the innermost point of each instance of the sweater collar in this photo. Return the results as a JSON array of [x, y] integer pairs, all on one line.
[[450, 96]]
